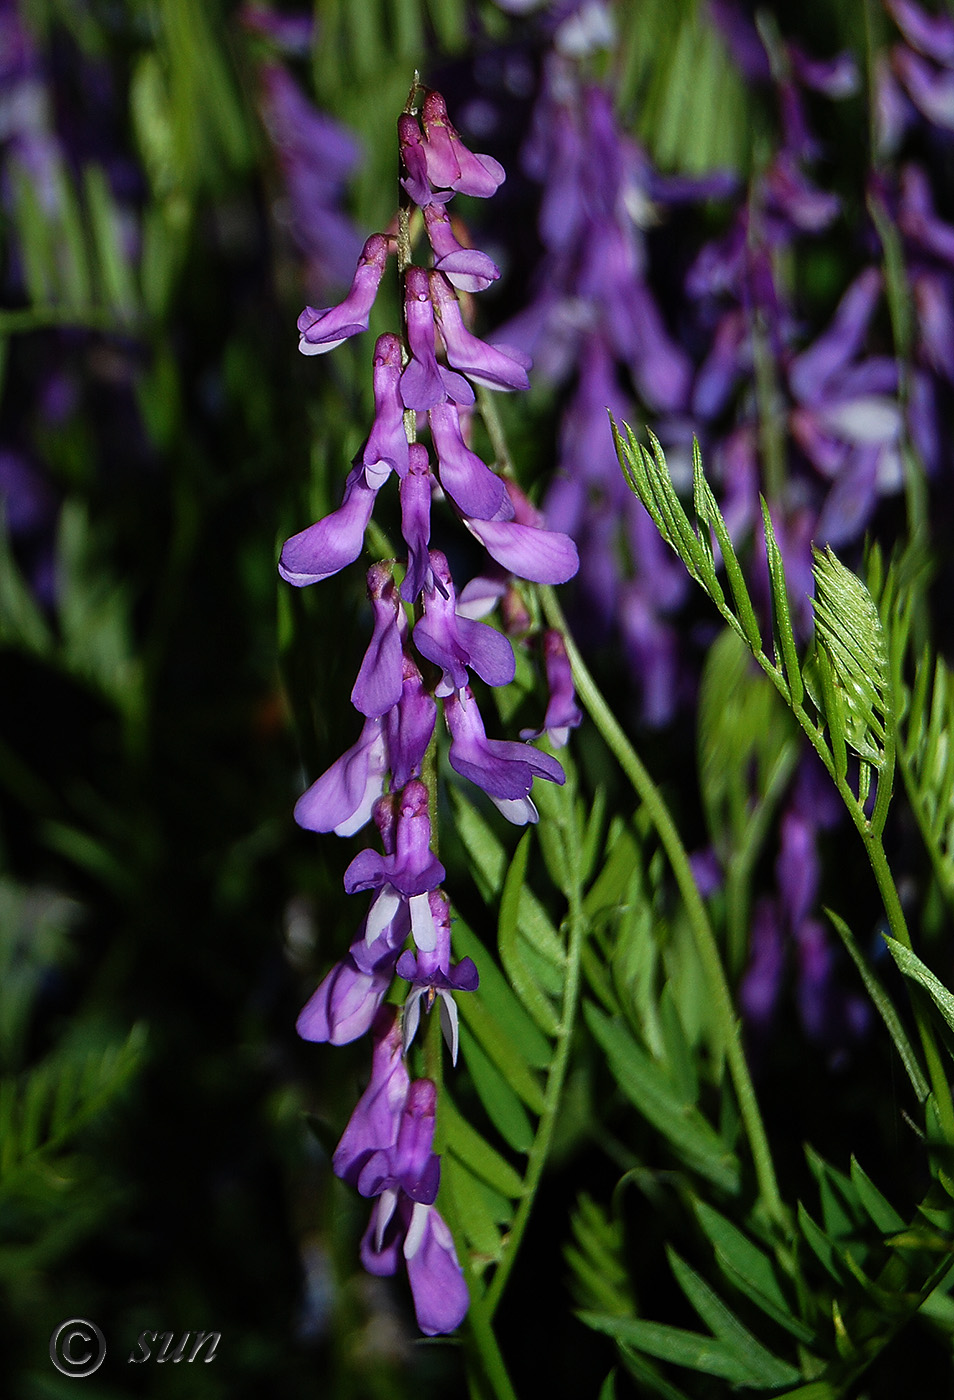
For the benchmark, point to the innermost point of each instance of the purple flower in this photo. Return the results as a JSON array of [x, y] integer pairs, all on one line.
[[453, 642], [542, 556], [324, 330], [493, 366], [762, 981], [468, 269], [343, 797], [472, 486], [409, 726], [432, 977], [932, 35], [377, 1114], [415, 163], [381, 677], [346, 1002], [416, 523], [408, 1164], [930, 89], [563, 713], [332, 542], [424, 382], [450, 165], [812, 370], [503, 768], [408, 872], [317, 156], [386, 448], [404, 1176]]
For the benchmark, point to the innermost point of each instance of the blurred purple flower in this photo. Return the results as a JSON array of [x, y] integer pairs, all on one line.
[[563, 713]]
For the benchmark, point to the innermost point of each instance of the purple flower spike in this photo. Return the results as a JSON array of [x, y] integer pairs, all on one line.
[[454, 642], [416, 523], [381, 677], [450, 165], [347, 1001], [333, 542], [410, 726], [432, 977], [473, 487], [386, 448], [324, 330], [421, 383], [563, 713], [343, 797], [490, 365], [377, 1114], [436, 1279], [415, 163], [504, 769], [468, 269]]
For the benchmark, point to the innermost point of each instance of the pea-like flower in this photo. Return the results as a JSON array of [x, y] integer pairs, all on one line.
[[332, 542], [321, 331], [432, 977], [503, 768]]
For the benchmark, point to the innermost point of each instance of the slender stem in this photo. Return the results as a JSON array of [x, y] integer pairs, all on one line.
[[870, 833], [706, 945], [540, 1150]]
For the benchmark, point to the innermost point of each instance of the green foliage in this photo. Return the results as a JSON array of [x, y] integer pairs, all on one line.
[[846, 676], [692, 108], [44, 1109], [812, 1312], [927, 763], [514, 1038]]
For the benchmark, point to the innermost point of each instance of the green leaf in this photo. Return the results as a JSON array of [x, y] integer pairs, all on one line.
[[463, 1141], [649, 1088], [912, 966], [43, 1110], [522, 977], [672, 1344], [850, 633], [707, 509], [480, 1210], [823, 1248], [502, 1105], [649, 1375], [884, 1215], [22, 623], [498, 1011], [750, 1269], [780, 608], [764, 1368], [885, 1009]]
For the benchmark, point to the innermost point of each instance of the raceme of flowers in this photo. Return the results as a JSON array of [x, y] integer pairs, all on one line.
[[422, 627]]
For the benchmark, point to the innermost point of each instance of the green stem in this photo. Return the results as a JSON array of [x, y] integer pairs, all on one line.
[[870, 833], [540, 1150], [708, 951]]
